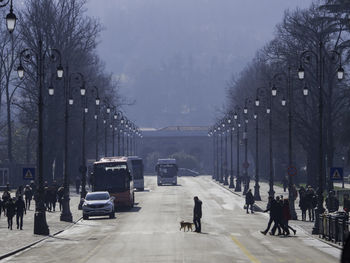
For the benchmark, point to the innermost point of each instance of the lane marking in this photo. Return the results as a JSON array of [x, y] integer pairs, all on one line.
[[245, 251]]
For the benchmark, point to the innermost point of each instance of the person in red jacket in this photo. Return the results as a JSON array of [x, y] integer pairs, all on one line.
[[286, 217]]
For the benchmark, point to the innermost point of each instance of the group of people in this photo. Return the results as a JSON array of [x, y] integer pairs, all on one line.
[[307, 202], [279, 215], [13, 206], [52, 195]]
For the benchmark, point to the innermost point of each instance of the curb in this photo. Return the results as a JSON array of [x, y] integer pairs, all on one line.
[[36, 242], [258, 209]]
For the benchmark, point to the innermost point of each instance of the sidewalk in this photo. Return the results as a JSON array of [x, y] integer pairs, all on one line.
[[306, 226], [15, 239]]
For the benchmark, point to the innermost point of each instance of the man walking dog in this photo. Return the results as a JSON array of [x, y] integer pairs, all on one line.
[[197, 214]]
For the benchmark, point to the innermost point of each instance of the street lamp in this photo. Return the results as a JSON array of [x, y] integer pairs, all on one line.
[[289, 92], [66, 214], [320, 61], [10, 17], [231, 130], [40, 224], [238, 177], [245, 138]]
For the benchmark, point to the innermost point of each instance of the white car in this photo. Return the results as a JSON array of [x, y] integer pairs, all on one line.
[[98, 204]]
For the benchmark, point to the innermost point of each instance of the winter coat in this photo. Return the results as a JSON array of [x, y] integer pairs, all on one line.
[[10, 208], [249, 198], [197, 210], [286, 212], [20, 206]]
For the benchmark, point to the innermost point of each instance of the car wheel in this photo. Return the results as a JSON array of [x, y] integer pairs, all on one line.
[[85, 217], [112, 215]]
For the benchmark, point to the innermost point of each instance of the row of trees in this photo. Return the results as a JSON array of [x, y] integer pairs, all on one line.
[[325, 22], [63, 25]]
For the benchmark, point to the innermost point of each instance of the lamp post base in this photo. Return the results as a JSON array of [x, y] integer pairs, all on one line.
[[66, 214], [271, 192], [40, 224], [316, 228], [257, 196]]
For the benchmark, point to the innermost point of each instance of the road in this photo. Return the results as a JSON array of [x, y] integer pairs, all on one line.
[[150, 232]]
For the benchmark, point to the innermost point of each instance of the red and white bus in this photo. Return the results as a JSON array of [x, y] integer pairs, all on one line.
[[112, 174]]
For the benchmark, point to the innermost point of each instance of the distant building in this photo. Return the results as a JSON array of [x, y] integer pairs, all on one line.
[[188, 141]]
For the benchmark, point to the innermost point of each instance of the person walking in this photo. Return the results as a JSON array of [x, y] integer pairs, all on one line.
[[278, 220], [332, 202], [19, 191], [197, 214], [28, 195], [285, 183], [10, 212], [20, 211], [302, 203], [311, 201], [249, 201], [60, 193], [346, 203], [286, 217], [5, 197], [272, 207]]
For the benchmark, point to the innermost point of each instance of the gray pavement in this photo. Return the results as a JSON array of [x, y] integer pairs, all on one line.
[[150, 232], [15, 239]]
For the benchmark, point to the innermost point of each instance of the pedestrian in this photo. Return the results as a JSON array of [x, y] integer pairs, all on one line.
[[5, 197], [249, 201], [53, 195], [286, 217], [302, 203], [346, 203], [197, 214], [285, 183], [19, 191], [311, 201], [47, 198], [345, 257], [60, 193], [10, 212], [20, 210], [28, 195], [272, 206], [332, 202], [77, 184], [278, 220]]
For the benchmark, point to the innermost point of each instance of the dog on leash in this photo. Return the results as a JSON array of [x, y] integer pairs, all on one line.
[[184, 225]]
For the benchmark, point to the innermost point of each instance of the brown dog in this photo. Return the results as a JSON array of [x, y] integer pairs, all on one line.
[[184, 224]]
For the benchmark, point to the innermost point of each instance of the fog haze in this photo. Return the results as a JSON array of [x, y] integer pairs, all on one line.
[[174, 58]]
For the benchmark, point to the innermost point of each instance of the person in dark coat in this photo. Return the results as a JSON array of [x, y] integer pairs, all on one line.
[[345, 257], [332, 202], [271, 206], [197, 214], [5, 197], [60, 193], [77, 184], [28, 194], [249, 201], [47, 198], [346, 205], [278, 217], [310, 199], [20, 211], [302, 203], [286, 217], [10, 212], [285, 183]]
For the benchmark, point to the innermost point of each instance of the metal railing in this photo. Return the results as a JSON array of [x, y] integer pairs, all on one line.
[[334, 228]]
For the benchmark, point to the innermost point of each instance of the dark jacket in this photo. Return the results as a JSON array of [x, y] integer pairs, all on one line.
[[249, 198], [197, 210], [20, 206], [10, 208]]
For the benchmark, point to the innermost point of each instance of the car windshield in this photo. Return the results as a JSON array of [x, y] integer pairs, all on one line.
[[97, 196]]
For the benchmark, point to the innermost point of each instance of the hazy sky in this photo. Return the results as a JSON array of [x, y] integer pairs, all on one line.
[[176, 56]]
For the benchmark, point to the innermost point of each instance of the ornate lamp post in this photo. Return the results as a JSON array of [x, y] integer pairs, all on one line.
[[216, 135], [320, 61], [291, 196], [226, 132], [231, 130], [40, 224], [238, 180], [245, 138]]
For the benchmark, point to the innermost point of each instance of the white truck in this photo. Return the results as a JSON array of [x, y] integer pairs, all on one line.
[[166, 171]]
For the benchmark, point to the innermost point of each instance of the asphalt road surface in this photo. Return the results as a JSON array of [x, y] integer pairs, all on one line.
[[150, 232]]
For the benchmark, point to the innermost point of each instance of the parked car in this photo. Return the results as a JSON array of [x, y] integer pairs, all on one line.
[[98, 204], [187, 172]]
